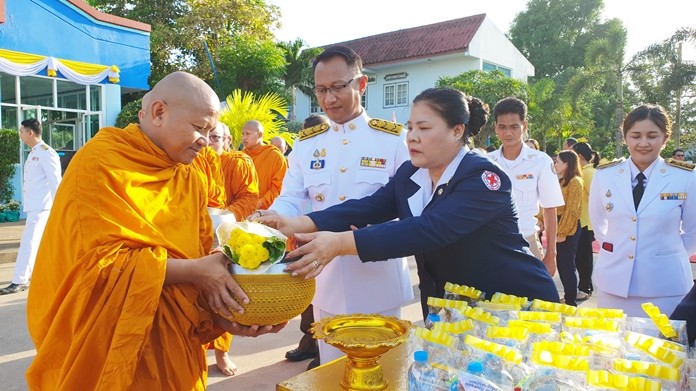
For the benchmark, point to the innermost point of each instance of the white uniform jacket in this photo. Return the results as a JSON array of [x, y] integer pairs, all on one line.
[[645, 252], [534, 184], [348, 161], [41, 178]]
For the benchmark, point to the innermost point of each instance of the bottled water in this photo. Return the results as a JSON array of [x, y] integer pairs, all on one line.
[[423, 377], [431, 320]]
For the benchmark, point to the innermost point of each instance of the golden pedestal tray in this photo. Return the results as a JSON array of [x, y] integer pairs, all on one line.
[[364, 338]]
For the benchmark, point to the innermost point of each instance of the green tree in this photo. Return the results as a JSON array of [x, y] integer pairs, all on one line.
[[662, 76], [553, 34], [298, 69], [251, 65], [604, 62], [490, 87], [9, 156], [180, 27]]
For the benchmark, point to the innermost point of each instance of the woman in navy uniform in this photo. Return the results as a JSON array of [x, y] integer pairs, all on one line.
[[455, 209], [642, 211]]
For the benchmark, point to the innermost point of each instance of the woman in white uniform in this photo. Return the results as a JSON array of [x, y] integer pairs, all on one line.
[[642, 210]]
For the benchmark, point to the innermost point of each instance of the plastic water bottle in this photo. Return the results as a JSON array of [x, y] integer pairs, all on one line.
[[419, 372], [424, 377], [431, 320], [474, 379]]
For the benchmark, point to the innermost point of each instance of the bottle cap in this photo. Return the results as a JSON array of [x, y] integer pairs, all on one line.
[[420, 356], [434, 317], [475, 367]]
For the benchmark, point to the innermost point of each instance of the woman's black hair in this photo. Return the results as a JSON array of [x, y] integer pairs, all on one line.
[[585, 150], [456, 108]]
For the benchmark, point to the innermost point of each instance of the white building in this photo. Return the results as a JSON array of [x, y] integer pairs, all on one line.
[[401, 64]]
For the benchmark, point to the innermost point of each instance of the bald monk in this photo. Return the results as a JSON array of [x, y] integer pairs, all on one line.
[[242, 188], [240, 177], [280, 143], [124, 293], [270, 164]]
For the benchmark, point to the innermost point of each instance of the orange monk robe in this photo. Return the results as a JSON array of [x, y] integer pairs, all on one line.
[[98, 310], [241, 183], [271, 166], [209, 166]]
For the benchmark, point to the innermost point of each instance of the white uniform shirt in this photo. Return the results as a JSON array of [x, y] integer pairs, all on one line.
[[348, 161], [644, 252], [41, 178], [534, 183]]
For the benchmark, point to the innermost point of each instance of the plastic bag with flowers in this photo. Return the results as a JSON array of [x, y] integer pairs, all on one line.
[[253, 246]]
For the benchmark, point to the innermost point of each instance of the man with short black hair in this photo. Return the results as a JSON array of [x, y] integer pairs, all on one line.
[[534, 180], [678, 154], [41, 179], [568, 143]]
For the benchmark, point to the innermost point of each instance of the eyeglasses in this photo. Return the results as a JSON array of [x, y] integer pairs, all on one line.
[[679, 155], [335, 90], [214, 137]]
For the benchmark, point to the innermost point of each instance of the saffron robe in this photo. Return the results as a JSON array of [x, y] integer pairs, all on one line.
[[271, 166], [209, 165], [241, 183], [98, 310]]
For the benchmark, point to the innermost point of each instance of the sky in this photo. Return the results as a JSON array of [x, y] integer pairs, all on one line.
[[324, 22]]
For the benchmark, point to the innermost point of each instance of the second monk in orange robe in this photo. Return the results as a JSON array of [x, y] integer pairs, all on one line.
[[270, 164]]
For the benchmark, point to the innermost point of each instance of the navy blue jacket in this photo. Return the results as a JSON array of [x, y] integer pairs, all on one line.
[[466, 235]]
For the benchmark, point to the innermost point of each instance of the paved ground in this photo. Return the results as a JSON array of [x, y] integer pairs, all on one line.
[[261, 360]]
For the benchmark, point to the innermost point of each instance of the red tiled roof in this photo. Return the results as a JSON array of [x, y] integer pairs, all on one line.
[[439, 38]]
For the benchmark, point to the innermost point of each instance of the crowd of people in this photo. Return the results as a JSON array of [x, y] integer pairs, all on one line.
[[136, 295]]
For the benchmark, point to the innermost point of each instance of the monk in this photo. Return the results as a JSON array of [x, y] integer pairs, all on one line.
[[124, 293], [240, 177], [235, 172], [280, 143], [270, 164]]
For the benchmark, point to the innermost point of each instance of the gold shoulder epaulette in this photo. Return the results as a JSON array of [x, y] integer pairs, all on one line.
[[313, 131], [610, 164], [680, 164], [386, 126], [44, 147]]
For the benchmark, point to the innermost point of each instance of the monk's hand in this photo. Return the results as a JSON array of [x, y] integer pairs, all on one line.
[[318, 250], [287, 225], [235, 328], [220, 290]]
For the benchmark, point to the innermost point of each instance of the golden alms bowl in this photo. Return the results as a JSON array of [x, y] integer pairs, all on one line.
[[364, 338], [275, 296]]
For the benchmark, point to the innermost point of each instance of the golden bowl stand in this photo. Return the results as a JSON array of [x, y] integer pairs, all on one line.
[[364, 338]]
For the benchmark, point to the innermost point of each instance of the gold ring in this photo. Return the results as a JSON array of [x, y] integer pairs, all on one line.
[[315, 264]]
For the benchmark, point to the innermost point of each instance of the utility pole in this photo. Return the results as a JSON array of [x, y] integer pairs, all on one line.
[[210, 59], [677, 115]]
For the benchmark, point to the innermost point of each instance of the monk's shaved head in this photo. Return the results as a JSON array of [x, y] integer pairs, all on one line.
[[178, 113], [279, 143]]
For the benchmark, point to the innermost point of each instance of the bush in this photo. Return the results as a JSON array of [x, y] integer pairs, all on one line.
[[9, 156], [129, 113]]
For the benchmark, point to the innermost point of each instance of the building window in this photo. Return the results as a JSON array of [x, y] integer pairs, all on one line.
[[489, 67], [363, 99], [314, 107], [396, 94]]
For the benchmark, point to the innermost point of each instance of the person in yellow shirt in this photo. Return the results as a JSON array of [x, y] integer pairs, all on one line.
[[270, 164], [124, 292], [584, 258], [567, 166]]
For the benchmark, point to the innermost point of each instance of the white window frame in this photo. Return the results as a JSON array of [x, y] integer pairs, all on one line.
[[398, 96]]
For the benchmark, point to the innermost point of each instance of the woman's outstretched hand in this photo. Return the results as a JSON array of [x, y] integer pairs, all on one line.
[[317, 250]]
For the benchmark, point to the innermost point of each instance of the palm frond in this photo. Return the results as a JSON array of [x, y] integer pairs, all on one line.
[[270, 110]]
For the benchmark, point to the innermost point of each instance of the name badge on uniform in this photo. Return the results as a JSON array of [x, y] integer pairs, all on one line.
[[317, 164], [524, 176], [373, 162], [673, 196], [35, 158]]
